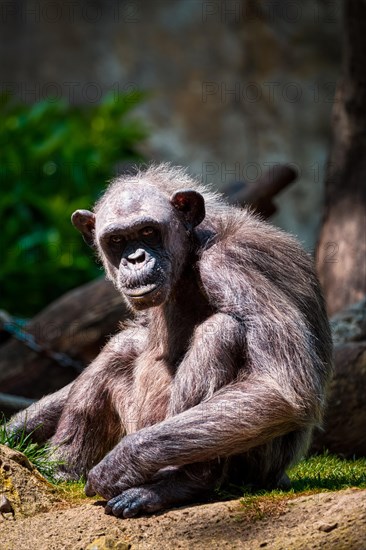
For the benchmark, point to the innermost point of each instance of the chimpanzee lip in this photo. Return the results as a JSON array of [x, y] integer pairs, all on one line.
[[141, 292]]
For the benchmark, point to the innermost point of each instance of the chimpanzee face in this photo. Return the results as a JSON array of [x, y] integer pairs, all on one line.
[[143, 239]]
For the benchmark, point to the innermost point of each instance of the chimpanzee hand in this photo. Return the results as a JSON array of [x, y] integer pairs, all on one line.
[[121, 469]]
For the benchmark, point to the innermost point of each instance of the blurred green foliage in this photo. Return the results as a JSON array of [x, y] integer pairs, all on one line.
[[55, 158]]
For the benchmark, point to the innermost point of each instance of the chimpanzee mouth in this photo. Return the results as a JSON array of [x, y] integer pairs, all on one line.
[[141, 291]]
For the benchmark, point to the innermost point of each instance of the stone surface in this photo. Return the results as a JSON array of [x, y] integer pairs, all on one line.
[[232, 85], [23, 491]]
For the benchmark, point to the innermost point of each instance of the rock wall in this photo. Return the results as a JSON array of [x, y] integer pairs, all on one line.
[[233, 86]]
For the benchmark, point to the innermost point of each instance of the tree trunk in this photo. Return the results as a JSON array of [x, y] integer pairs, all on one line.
[[345, 418], [341, 254]]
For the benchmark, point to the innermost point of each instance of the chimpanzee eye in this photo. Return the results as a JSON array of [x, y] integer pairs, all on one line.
[[148, 232], [115, 239]]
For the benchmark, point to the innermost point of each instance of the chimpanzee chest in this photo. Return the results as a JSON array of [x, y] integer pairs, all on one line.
[[169, 339], [150, 393]]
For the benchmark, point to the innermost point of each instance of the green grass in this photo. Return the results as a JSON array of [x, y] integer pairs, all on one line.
[[39, 455], [312, 475], [328, 472]]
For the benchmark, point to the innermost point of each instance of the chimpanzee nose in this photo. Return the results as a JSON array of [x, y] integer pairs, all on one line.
[[137, 257]]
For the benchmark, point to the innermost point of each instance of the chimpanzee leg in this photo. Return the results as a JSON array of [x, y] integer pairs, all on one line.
[[265, 467], [40, 419], [90, 424]]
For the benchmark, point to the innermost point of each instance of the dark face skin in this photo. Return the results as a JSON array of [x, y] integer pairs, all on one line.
[[138, 254], [136, 247]]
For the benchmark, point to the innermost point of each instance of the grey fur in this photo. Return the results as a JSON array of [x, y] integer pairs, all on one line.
[[221, 376]]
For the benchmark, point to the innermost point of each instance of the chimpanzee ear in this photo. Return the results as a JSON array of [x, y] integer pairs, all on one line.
[[191, 204], [84, 221]]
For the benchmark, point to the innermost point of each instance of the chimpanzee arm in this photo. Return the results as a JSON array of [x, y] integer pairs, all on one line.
[[41, 418], [270, 398]]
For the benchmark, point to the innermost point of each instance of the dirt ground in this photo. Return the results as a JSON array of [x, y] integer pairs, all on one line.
[[335, 521]]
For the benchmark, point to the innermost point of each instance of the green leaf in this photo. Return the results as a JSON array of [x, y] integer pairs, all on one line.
[[55, 158]]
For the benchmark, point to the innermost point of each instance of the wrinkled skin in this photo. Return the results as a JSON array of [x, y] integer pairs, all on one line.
[[222, 374]]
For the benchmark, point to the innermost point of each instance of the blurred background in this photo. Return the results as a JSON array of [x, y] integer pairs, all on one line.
[[227, 89], [231, 89]]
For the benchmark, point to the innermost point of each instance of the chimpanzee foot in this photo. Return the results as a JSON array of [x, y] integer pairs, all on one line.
[[136, 501]]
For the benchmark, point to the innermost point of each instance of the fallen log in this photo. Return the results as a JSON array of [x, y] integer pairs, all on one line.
[[14, 402], [260, 194], [77, 324]]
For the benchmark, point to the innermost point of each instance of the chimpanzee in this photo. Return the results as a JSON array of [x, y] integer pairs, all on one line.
[[221, 375]]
